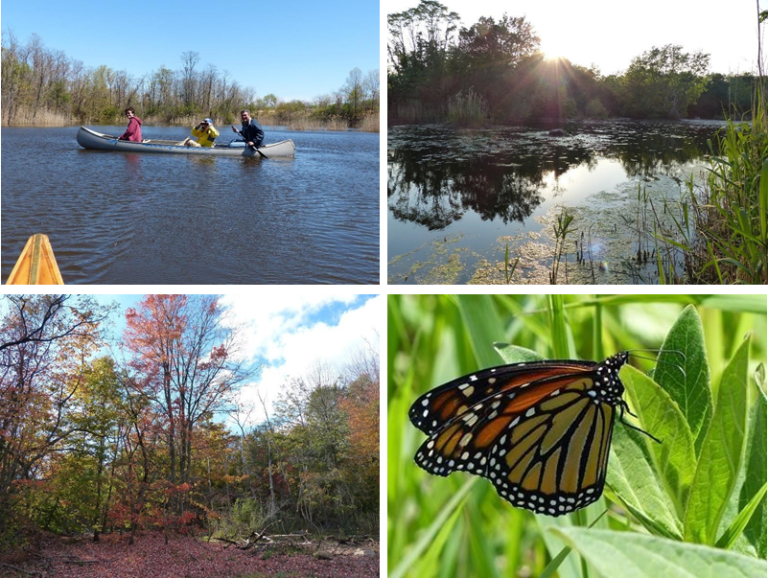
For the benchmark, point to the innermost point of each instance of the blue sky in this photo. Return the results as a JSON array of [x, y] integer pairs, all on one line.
[[289, 332], [290, 48]]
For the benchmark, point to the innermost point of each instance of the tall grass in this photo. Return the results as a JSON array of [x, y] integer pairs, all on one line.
[[371, 123], [414, 111], [298, 122], [562, 228], [29, 116], [725, 235], [467, 109]]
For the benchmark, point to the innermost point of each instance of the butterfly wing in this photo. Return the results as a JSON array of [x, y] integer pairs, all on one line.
[[539, 432], [438, 406], [554, 461]]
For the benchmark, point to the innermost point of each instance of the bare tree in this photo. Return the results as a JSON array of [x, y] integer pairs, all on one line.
[[189, 61]]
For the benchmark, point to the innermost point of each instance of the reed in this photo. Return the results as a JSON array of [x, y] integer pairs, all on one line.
[[414, 112], [371, 123], [723, 230], [313, 124], [561, 229], [467, 109], [25, 116]]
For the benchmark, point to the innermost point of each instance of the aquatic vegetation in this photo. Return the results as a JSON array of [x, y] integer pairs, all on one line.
[[442, 265], [493, 185], [561, 229], [724, 232]]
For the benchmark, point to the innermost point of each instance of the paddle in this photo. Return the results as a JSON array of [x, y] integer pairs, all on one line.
[[250, 146]]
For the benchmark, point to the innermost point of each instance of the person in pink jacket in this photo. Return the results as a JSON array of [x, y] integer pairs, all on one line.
[[133, 132]]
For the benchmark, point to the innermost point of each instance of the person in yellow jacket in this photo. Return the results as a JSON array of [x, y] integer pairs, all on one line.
[[205, 133]]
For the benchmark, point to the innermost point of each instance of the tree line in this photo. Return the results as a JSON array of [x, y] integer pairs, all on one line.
[[95, 442], [494, 71], [44, 86]]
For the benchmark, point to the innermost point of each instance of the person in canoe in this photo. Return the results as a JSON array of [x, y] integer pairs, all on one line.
[[252, 132], [133, 132], [205, 133]]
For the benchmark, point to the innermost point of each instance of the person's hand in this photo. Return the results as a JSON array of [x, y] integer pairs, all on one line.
[[250, 144], [234, 129]]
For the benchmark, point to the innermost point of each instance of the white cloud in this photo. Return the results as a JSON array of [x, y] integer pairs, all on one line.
[[284, 333]]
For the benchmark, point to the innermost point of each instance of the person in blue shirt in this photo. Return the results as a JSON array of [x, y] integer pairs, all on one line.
[[251, 132]]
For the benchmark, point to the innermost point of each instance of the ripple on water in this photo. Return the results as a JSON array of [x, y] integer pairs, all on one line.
[[127, 218]]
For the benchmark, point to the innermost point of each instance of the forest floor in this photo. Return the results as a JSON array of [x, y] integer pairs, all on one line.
[[189, 557]]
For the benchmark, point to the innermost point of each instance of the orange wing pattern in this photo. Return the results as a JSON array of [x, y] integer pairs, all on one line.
[[540, 432]]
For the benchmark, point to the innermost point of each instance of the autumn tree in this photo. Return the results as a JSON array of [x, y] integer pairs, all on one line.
[[45, 341], [185, 361], [362, 404]]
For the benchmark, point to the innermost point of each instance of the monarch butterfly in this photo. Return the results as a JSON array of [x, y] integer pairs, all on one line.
[[539, 431]]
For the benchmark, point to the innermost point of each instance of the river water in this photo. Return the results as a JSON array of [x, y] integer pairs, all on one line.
[[461, 202], [117, 218]]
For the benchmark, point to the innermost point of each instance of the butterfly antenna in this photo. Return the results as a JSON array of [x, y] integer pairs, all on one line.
[[625, 407], [657, 360]]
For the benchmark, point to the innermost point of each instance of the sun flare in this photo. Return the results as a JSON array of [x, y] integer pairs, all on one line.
[[553, 51]]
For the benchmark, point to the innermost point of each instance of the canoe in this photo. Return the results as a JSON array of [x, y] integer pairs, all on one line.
[[90, 139], [36, 264]]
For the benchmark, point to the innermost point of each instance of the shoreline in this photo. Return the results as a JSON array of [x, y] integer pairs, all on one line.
[[299, 127]]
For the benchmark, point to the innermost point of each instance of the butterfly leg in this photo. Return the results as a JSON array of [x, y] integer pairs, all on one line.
[[625, 407]]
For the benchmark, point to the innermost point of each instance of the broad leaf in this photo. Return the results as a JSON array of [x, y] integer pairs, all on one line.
[[683, 372], [514, 354], [721, 454], [631, 555], [752, 480], [635, 483], [661, 417]]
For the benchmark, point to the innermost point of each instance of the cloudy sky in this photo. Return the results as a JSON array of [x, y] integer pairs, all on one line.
[[288, 332], [609, 33]]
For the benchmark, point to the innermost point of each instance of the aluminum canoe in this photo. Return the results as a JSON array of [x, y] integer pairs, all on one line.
[[90, 139]]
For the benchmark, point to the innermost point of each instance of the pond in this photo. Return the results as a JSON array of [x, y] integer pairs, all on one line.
[[118, 218], [462, 202]]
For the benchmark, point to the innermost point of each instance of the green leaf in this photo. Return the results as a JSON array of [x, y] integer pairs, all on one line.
[[562, 341], [447, 516], [740, 522], [675, 456], [721, 454], [514, 354], [752, 482], [569, 566], [737, 303], [483, 325], [634, 482], [631, 555], [683, 372]]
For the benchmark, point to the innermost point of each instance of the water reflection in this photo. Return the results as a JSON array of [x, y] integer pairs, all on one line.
[[468, 181]]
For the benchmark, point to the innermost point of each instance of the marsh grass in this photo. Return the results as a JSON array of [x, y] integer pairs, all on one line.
[[415, 112], [297, 122], [562, 228], [25, 116], [467, 109], [723, 230]]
